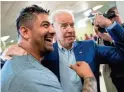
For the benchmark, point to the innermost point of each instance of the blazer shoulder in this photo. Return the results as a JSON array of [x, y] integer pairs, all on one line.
[[86, 42]]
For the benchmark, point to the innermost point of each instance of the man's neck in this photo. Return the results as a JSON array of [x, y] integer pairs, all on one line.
[[66, 46], [35, 52]]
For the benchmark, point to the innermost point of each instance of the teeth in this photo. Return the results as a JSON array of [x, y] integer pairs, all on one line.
[[49, 39]]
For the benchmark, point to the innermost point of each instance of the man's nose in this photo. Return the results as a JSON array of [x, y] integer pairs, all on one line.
[[70, 28]]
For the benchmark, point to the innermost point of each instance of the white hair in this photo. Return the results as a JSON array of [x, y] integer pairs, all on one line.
[[55, 13]]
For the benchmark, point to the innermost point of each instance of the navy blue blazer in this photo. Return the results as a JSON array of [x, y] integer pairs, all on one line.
[[91, 53]]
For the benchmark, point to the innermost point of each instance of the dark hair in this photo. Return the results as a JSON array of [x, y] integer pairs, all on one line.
[[112, 9], [28, 14]]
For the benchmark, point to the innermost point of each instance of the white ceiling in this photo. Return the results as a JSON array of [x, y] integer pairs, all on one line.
[[11, 9]]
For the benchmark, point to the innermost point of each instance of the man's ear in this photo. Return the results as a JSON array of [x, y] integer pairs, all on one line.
[[25, 32]]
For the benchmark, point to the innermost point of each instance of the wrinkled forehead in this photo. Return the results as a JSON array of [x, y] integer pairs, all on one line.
[[64, 18]]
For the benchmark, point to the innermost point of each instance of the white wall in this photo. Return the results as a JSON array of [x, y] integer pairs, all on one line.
[[120, 5]]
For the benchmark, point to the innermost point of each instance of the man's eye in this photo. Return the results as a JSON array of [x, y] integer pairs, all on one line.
[[72, 25], [46, 25], [64, 25]]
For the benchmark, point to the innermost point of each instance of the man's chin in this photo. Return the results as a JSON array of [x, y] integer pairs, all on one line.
[[49, 49], [71, 42]]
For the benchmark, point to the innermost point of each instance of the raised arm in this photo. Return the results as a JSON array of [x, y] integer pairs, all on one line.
[[116, 31]]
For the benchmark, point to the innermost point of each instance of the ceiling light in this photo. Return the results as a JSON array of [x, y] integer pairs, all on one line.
[[87, 12], [82, 23], [4, 38], [97, 7], [84, 5], [11, 41]]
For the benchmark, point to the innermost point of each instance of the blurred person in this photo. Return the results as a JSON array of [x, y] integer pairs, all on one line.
[[117, 17], [68, 51], [117, 70], [86, 37], [100, 36], [93, 37]]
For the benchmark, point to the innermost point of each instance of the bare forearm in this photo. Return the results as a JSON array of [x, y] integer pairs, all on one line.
[[90, 85]]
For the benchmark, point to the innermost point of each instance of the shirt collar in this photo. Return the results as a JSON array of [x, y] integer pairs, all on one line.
[[62, 48]]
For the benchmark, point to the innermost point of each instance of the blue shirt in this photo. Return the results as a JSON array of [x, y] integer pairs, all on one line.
[[26, 74], [72, 83]]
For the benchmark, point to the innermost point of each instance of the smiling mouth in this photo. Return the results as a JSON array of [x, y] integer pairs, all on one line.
[[49, 40], [70, 36]]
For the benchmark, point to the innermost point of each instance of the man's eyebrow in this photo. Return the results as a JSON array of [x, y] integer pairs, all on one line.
[[66, 23]]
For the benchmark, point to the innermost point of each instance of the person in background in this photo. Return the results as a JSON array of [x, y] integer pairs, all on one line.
[[117, 70], [86, 37]]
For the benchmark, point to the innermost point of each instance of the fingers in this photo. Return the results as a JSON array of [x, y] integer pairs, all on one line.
[[82, 69], [20, 53], [6, 58], [25, 53], [77, 65], [101, 21], [74, 67], [13, 50]]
